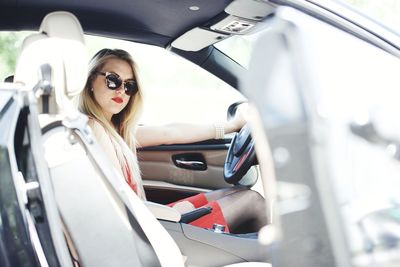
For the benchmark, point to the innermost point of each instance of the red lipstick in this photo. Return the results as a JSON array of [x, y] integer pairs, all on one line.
[[118, 100]]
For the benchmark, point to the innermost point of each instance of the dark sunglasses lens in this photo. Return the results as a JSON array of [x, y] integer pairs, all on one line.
[[113, 81], [130, 87]]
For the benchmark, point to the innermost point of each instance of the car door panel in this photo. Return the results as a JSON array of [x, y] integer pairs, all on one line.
[[161, 164], [166, 181]]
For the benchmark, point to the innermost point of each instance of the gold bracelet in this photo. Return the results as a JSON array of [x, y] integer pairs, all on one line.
[[219, 130]]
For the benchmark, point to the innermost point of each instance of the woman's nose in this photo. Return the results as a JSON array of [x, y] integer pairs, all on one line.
[[120, 89]]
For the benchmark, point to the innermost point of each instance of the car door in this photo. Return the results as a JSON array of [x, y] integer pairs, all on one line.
[[178, 91], [329, 102]]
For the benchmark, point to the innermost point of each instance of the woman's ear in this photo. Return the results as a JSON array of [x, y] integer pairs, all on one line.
[[89, 83]]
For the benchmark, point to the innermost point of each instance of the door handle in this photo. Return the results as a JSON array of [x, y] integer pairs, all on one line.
[[190, 161]]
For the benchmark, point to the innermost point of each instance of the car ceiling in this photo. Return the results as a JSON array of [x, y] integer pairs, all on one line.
[[156, 22]]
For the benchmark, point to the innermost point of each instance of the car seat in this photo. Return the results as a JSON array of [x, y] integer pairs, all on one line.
[[107, 224]]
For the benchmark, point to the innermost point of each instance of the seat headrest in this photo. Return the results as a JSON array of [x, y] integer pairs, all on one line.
[[59, 43]]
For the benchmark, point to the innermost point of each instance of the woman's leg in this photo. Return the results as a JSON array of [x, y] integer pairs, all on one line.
[[243, 210], [220, 193], [202, 199]]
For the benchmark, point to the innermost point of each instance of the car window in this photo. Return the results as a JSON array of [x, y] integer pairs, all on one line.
[[10, 42], [174, 88]]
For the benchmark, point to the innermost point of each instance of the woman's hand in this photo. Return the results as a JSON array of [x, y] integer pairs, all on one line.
[[239, 120]]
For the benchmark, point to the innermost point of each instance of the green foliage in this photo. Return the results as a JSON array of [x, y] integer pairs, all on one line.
[[10, 43]]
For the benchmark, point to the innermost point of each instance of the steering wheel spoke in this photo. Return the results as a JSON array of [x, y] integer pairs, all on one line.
[[240, 157]]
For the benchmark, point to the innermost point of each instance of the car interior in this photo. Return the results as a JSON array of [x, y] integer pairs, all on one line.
[[51, 68], [63, 204]]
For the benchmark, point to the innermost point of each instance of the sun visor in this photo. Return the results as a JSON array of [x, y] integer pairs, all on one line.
[[197, 39], [250, 9]]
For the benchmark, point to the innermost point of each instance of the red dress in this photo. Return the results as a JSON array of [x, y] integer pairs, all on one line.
[[206, 221]]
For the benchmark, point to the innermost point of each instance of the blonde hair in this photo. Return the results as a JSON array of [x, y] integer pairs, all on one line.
[[123, 124]]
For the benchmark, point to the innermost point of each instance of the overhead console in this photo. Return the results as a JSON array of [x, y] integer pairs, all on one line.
[[243, 16]]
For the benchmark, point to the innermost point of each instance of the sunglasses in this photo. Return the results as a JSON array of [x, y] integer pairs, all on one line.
[[113, 82]]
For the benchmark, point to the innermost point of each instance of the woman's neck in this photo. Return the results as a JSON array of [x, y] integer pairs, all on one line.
[[108, 116]]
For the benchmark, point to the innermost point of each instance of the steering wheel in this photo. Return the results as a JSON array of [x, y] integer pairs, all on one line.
[[241, 156]]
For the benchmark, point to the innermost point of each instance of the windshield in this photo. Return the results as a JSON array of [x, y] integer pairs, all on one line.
[[383, 12], [386, 12]]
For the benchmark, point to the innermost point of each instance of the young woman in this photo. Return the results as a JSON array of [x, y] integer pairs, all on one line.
[[112, 99]]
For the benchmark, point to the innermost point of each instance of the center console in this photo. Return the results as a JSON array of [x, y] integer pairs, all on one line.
[[204, 247]]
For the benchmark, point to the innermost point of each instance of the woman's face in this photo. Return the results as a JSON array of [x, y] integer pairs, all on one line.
[[112, 101]]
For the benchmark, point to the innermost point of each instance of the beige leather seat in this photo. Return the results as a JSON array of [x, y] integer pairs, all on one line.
[[107, 223]]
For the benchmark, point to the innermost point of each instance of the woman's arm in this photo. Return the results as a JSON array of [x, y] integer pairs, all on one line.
[[182, 133]]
